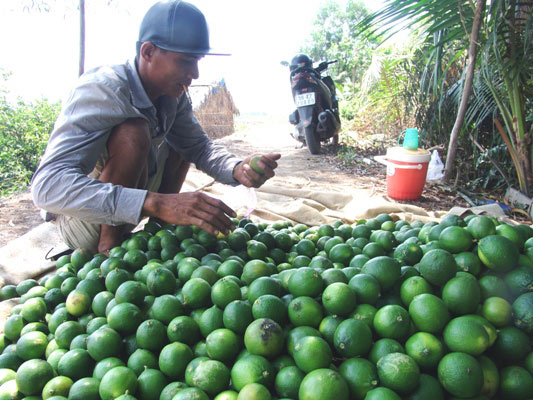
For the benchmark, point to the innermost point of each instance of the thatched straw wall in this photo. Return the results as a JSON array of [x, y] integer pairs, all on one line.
[[216, 109]]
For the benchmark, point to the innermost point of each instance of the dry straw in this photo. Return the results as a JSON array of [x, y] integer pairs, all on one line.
[[216, 110]]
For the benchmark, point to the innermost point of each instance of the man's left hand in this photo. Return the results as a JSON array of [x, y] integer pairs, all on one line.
[[247, 175]]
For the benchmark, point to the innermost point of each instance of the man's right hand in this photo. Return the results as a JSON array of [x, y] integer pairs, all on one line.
[[190, 208]]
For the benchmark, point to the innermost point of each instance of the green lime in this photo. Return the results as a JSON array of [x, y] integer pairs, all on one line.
[[462, 294], [491, 376], [305, 282], [211, 376], [352, 338], [516, 383], [105, 365], [365, 313], [382, 347], [211, 319], [76, 364], [264, 337], [385, 269], [497, 311], [437, 267], [196, 293], [498, 253], [67, 331], [116, 382], [428, 388], [481, 226], [237, 316], [151, 335], [224, 291], [166, 307], [399, 372], [523, 312], [361, 376], [468, 262], [174, 358], [512, 345], [412, 287], [392, 321], [312, 352], [288, 381], [161, 281], [305, 310], [34, 309], [460, 374], [429, 313], [33, 375], [382, 393], [455, 239], [261, 286], [125, 318], [140, 359], [254, 391], [339, 299], [151, 383], [31, 345], [254, 269], [426, 349], [170, 390], [323, 383], [466, 335], [252, 369], [270, 306], [57, 386], [223, 345]]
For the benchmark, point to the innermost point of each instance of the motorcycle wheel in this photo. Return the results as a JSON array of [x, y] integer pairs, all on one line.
[[313, 144]]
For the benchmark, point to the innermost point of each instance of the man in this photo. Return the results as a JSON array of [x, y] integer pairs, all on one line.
[[121, 147]]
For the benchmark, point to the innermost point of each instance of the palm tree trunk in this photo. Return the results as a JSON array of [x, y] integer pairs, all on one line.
[[82, 38], [467, 90]]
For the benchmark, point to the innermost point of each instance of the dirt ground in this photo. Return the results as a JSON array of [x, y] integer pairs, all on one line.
[[297, 169]]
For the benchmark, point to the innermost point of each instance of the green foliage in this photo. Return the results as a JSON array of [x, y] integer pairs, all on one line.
[[419, 82], [387, 99], [375, 86], [24, 132], [334, 38], [502, 83]]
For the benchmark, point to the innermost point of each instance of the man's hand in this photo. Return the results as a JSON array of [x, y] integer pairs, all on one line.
[[193, 208], [247, 172]]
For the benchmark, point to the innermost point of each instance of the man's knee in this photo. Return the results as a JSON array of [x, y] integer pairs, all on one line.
[[78, 234], [131, 138]]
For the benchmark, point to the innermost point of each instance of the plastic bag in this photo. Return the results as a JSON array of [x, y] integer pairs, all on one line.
[[242, 199], [435, 167]]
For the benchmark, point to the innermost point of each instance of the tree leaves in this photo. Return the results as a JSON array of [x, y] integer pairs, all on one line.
[[24, 131]]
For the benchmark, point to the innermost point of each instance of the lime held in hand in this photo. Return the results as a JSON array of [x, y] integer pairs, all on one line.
[[254, 163]]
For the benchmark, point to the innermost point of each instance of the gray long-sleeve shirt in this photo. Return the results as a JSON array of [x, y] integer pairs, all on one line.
[[104, 98]]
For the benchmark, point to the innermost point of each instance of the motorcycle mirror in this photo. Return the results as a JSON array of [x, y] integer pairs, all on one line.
[[284, 63]]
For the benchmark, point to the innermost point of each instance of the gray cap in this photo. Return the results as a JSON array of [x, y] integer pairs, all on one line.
[[176, 26]]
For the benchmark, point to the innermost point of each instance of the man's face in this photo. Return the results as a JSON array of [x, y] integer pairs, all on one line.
[[170, 71]]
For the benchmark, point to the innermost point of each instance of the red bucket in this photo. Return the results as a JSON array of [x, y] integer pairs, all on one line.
[[406, 172]]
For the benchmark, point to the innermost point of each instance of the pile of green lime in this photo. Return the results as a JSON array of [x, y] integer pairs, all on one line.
[[379, 309]]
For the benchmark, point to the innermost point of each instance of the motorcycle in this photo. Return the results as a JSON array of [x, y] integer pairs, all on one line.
[[316, 118]]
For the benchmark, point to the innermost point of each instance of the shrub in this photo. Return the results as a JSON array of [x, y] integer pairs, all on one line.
[[24, 131]]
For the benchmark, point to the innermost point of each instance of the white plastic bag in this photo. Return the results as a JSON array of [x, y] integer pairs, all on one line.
[[242, 199], [435, 167]]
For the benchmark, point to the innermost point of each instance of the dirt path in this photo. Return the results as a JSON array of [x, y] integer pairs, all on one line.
[[297, 169]]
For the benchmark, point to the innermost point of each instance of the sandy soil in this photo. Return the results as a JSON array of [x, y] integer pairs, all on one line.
[[297, 168]]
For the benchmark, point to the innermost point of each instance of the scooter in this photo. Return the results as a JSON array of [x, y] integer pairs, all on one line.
[[316, 118]]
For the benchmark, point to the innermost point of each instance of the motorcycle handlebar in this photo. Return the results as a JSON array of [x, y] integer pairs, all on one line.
[[324, 65]]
